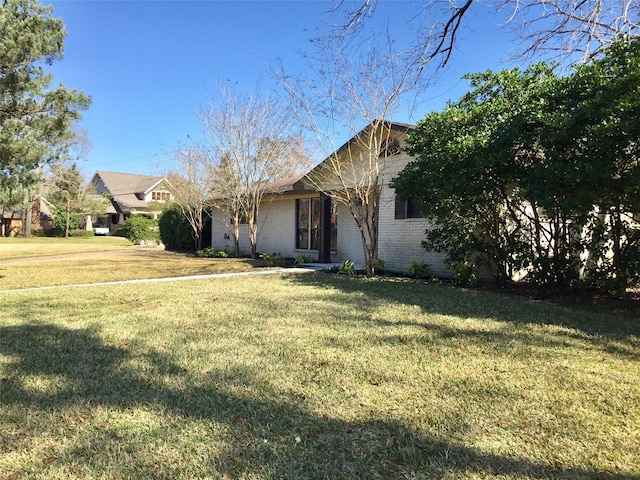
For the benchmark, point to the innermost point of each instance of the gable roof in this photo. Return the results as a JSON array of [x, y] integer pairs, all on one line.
[[128, 183], [393, 126], [285, 185], [127, 190]]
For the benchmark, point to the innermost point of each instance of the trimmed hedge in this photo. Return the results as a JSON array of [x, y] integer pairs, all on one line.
[[175, 231]]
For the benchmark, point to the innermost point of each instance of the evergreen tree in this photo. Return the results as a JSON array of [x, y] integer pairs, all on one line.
[[35, 118]]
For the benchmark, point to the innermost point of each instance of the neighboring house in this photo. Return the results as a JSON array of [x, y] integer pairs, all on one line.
[[41, 218], [130, 194], [295, 218]]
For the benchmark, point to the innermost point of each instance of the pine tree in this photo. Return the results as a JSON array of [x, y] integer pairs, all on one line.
[[35, 118]]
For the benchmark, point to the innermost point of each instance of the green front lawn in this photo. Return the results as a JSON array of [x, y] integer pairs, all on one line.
[[314, 376]]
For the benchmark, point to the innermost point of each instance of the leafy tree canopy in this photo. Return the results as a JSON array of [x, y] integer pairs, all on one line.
[[35, 118], [529, 170]]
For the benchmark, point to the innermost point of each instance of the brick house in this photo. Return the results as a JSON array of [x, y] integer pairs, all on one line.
[[12, 221], [296, 218]]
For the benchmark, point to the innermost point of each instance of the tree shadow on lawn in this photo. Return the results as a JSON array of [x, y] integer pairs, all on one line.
[[267, 435], [613, 332]]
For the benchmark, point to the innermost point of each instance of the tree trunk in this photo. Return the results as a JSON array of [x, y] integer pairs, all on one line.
[[68, 218], [253, 239], [253, 231], [197, 231], [619, 271], [236, 234], [369, 240], [28, 218]]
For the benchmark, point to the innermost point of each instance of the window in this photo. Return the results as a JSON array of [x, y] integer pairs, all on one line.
[[161, 196], [334, 225], [308, 223], [410, 208], [389, 147]]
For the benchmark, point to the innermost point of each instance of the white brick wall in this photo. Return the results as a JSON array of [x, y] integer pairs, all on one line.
[[349, 240], [276, 229], [219, 230], [400, 241]]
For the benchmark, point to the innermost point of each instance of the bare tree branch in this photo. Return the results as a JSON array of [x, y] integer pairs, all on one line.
[[255, 141], [192, 187], [566, 30], [355, 86]]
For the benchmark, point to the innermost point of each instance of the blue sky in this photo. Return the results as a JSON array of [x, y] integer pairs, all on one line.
[[149, 65]]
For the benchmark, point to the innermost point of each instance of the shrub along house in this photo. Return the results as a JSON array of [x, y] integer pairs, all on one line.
[[130, 194], [304, 215]]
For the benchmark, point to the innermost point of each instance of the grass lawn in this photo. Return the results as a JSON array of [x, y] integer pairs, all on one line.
[[99, 259], [17, 247], [314, 376]]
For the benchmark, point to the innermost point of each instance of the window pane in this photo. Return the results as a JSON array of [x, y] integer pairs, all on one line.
[[416, 208], [302, 222], [400, 209], [334, 225], [315, 224]]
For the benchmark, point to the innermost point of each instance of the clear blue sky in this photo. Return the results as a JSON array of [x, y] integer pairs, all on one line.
[[149, 65]]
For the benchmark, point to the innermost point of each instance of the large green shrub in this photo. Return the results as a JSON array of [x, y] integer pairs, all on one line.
[[175, 231], [59, 224], [140, 229], [464, 274], [535, 172]]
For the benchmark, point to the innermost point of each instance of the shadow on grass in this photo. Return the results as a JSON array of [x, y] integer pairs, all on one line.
[[614, 332], [267, 436]]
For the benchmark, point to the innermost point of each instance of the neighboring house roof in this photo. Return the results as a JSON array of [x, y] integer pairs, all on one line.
[[125, 183], [45, 211], [42, 208], [127, 190]]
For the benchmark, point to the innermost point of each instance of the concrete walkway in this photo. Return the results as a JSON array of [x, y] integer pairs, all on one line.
[[306, 269]]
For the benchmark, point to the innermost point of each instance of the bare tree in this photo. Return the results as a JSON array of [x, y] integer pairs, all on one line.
[[67, 191], [573, 30], [561, 28], [352, 91], [228, 194], [254, 138], [192, 188]]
